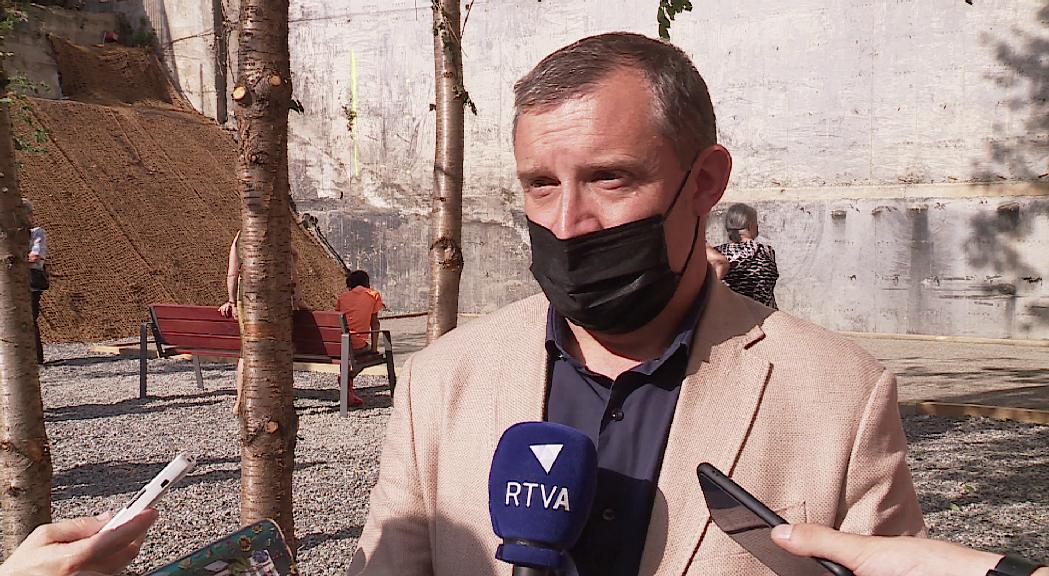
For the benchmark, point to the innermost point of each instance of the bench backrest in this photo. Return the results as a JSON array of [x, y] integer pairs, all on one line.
[[184, 327]]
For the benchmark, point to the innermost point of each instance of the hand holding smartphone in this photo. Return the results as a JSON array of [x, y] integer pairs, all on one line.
[[749, 523], [153, 491]]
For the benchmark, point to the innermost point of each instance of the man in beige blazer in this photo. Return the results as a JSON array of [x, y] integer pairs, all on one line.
[[635, 343]]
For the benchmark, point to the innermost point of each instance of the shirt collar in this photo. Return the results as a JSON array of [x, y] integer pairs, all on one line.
[[557, 331]]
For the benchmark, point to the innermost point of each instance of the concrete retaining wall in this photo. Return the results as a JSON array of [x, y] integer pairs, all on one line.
[[31, 51], [190, 38], [892, 104], [954, 266]]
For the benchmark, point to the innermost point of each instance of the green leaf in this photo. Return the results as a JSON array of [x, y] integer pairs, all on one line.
[[667, 11], [664, 24], [955, 507]]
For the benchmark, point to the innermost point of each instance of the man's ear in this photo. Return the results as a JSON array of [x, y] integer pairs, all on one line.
[[712, 169]]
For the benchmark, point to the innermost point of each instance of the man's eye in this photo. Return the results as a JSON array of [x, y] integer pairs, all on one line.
[[609, 179], [541, 183]]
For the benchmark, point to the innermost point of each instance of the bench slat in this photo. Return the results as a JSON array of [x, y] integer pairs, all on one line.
[[186, 312], [321, 318], [205, 352], [331, 335], [202, 327], [318, 348], [179, 340], [308, 347]]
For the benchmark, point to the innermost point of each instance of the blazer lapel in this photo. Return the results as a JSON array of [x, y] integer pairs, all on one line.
[[519, 377], [716, 406]]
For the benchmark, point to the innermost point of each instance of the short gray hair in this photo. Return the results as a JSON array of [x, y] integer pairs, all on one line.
[[739, 217], [27, 205], [682, 104]]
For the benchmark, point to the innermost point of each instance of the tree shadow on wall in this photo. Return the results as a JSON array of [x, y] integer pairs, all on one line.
[[994, 241], [995, 244], [1023, 56]]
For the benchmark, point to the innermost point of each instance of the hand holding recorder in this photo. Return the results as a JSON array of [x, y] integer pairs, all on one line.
[[103, 544], [820, 551], [79, 546], [899, 555]]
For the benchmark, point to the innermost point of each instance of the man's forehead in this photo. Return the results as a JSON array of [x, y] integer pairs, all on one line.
[[607, 106], [587, 130]]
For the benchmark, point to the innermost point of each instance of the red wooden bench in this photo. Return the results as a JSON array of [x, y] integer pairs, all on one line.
[[318, 335]]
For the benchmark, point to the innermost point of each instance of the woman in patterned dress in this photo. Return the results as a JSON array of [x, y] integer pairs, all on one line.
[[752, 265]]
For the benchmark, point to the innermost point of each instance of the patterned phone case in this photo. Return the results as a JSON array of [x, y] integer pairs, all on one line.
[[255, 550]]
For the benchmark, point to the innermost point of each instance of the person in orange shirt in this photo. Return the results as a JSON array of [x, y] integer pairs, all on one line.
[[361, 305]]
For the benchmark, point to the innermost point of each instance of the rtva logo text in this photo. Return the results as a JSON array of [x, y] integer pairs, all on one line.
[[549, 497]]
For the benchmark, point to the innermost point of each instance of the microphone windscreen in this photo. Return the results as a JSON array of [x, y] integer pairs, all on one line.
[[540, 490]]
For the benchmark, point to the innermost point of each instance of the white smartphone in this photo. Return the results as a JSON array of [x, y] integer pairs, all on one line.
[[154, 490]]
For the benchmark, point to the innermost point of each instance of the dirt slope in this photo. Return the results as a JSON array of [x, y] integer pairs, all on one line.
[[140, 205], [114, 75]]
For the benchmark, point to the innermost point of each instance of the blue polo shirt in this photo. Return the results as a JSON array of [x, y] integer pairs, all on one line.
[[628, 419]]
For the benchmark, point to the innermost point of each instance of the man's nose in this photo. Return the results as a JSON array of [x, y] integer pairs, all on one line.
[[575, 214]]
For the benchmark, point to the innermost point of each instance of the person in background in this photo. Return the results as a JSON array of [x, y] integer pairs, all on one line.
[[38, 276], [77, 547], [752, 265], [360, 305], [234, 305], [898, 556], [718, 262]]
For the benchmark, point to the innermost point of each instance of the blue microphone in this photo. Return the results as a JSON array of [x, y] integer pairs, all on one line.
[[540, 490]]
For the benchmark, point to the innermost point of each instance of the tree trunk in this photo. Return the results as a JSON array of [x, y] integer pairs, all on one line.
[[25, 456], [446, 217], [268, 419]]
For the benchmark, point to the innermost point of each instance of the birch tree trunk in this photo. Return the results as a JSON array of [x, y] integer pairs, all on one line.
[[268, 420], [25, 455], [446, 217]]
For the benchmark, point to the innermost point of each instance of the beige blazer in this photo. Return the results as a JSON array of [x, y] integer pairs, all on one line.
[[801, 417]]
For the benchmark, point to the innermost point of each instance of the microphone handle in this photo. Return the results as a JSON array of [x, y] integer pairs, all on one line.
[[529, 571]]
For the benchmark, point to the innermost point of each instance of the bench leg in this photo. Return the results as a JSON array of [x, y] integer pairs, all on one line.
[[200, 376], [391, 372], [345, 365], [143, 350]]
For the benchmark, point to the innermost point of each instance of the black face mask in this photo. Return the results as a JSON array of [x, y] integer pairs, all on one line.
[[614, 280]]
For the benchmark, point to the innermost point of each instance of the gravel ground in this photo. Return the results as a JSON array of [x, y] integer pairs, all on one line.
[[981, 482], [106, 444], [966, 372]]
